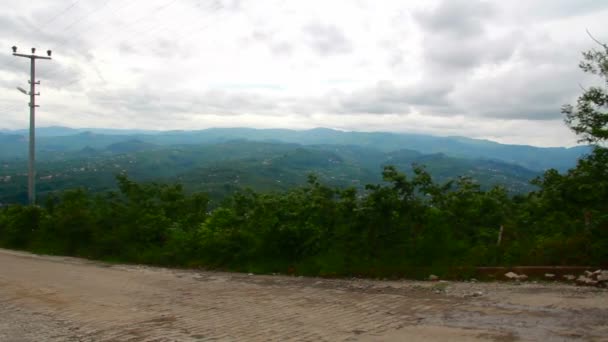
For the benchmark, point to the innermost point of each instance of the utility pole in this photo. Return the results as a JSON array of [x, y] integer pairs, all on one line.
[[31, 179]]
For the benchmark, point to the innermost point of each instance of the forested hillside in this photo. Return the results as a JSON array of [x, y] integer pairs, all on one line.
[[57, 140], [222, 168], [407, 226]]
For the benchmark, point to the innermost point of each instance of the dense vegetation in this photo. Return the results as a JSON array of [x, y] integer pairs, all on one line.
[[395, 228], [400, 226]]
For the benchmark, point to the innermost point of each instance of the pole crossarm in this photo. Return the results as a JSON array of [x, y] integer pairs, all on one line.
[[31, 56]]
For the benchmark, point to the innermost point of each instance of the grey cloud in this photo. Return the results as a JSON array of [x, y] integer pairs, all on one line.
[[327, 39], [282, 48], [449, 54], [524, 93], [230, 5], [456, 38], [456, 18], [160, 103], [324, 39], [383, 98], [277, 45], [388, 98], [561, 8], [456, 42], [59, 74]]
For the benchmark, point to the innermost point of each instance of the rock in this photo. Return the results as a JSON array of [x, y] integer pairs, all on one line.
[[515, 276], [589, 274], [433, 277], [473, 280], [474, 294], [602, 276], [549, 275], [569, 277], [585, 280], [249, 274], [597, 272]]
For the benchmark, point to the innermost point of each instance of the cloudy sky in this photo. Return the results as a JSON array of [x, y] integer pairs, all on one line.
[[497, 70]]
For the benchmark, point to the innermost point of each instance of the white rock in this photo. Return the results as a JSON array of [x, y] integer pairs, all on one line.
[[433, 277], [474, 294], [602, 276], [511, 275], [569, 277], [588, 273], [522, 277], [549, 275], [585, 280]]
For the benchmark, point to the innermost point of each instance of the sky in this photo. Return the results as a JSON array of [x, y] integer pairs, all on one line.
[[497, 70]]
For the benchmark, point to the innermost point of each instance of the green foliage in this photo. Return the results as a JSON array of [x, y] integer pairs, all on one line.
[[221, 169], [19, 225], [404, 226], [590, 117]]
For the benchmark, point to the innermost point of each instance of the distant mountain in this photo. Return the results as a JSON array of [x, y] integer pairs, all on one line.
[[61, 139], [220, 169], [57, 131], [133, 145]]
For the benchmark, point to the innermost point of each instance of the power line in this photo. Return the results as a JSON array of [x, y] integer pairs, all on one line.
[[55, 17], [84, 17], [121, 27], [130, 24], [52, 19], [159, 29], [83, 31]]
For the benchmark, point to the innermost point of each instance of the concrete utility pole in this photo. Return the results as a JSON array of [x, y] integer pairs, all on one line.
[[31, 180]]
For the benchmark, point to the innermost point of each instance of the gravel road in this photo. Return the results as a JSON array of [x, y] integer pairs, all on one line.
[[44, 298]]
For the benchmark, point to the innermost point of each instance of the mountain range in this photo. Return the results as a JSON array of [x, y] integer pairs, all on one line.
[[57, 140], [220, 161]]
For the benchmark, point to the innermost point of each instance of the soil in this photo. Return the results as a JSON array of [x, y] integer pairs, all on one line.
[[45, 298]]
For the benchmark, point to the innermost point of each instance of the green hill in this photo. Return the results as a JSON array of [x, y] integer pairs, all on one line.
[[222, 168]]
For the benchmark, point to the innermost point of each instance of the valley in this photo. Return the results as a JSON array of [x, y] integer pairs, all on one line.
[[221, 161]]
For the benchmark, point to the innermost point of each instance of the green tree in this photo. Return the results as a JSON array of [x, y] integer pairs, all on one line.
[[589, 119]]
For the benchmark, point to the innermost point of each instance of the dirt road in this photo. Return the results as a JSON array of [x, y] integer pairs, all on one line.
[[65, 299]]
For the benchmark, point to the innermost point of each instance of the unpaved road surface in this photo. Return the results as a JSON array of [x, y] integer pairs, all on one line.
[[46, 298]]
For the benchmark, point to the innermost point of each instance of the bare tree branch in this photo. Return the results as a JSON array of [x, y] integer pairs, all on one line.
[[595, 40]]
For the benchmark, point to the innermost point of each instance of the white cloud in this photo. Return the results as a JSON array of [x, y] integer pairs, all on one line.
[[489, 69]]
